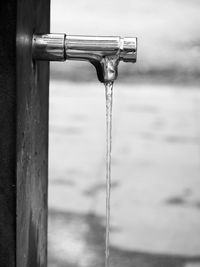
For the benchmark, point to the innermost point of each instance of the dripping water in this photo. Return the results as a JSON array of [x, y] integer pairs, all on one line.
[[109, 96]]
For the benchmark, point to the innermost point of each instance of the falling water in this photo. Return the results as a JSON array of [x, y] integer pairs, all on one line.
[[108, 91]]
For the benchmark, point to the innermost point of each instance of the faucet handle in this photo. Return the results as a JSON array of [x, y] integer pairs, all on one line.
[[128, 49]]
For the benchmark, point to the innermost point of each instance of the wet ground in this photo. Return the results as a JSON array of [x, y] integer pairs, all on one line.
[[155, 201]]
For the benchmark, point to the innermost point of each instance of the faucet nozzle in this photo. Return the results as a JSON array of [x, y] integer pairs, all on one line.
[[103, 52]]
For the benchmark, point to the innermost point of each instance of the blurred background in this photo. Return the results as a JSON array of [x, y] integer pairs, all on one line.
[[155, 198]]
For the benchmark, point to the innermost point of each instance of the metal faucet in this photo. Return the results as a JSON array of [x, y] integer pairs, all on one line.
[[103, 52]]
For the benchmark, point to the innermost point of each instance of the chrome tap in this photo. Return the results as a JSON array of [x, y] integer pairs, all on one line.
[[103, 52]]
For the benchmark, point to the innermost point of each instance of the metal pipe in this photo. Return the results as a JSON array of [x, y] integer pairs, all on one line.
[[49, 47]]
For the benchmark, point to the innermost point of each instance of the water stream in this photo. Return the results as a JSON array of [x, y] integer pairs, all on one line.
[[109, 96]]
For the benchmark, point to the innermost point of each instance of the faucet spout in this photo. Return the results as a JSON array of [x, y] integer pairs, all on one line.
[[104, 53], [107, 70]]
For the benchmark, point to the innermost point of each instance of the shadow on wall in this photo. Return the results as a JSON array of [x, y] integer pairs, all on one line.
[[77, 240]]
